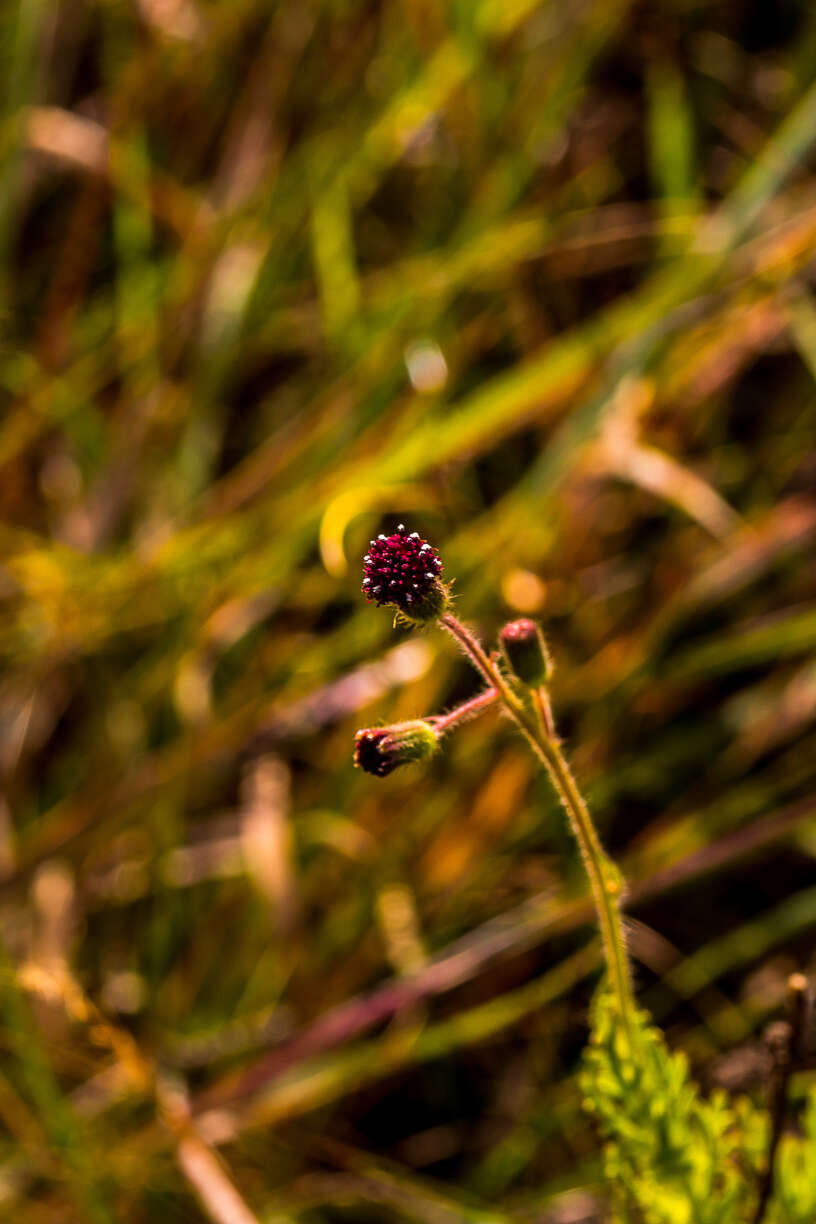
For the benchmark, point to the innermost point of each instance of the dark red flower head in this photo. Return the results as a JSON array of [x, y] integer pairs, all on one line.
[[404, 570]]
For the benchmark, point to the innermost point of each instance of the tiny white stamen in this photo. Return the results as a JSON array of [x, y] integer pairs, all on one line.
[[380, 536], [430, 576], [401, 527], [414, 535]]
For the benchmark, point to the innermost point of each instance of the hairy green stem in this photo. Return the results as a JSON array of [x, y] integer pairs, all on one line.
[[605, 880]]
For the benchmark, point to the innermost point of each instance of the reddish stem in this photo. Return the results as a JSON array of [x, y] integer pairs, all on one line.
[[469, 709]]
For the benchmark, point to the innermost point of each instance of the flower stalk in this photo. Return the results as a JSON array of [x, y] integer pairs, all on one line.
[[443, 723], [605, 880], [381, 750], [403, 570]]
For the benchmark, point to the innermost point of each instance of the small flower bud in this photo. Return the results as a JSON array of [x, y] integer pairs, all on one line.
[[404, 570], [525, 652], [379, 750]]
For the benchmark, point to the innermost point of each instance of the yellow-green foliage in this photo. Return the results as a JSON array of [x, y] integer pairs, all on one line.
[[795, 1198], [673, 1156]]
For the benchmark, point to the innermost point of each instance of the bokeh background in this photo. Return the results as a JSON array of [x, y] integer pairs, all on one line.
[[536, 279]]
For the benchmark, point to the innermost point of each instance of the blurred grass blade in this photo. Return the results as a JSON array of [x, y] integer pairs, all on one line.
[[65, 1133]]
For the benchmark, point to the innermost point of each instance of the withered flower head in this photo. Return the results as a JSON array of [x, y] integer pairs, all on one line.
[[403, 570], [379, 750]]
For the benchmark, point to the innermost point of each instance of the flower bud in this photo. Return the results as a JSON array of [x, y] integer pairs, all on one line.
[[525, 652], [404, 570], [379, 750]]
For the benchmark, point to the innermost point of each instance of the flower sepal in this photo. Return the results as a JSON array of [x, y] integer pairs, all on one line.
[[381, 750], [525, 652]]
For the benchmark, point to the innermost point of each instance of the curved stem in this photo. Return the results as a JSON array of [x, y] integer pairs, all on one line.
[[473, 648], [605, 880], [463, 713]]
